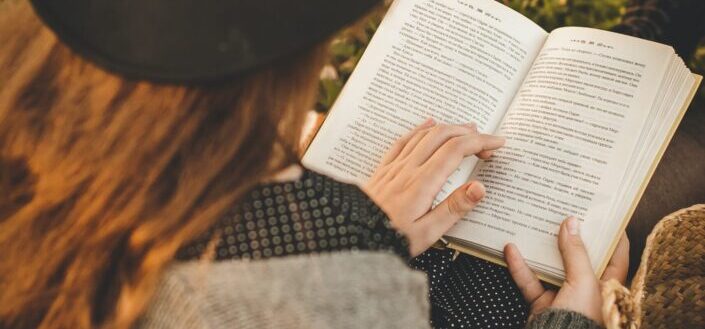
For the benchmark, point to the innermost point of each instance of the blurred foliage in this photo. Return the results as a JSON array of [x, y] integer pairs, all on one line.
[[347, 48], [697, 64], [551, 14]]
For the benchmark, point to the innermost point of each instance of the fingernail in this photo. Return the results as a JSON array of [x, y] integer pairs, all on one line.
[[512, 246], [475, 191], [429, 122], [472, 126], [573, 226]]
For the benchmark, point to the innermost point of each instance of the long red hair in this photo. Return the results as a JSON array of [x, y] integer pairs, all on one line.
[[103, 179]]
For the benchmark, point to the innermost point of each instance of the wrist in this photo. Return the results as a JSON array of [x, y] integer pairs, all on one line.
[[558, 318]]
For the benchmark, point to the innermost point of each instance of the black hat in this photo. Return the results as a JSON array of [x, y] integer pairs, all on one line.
[[191, 41]]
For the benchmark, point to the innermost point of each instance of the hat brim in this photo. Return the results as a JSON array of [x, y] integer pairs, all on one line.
[[193, 41]]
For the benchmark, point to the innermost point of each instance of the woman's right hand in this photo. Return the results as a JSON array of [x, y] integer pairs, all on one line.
[[415, 169], [581, 290]]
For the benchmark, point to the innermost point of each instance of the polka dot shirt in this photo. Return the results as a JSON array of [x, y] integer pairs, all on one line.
[[469, 292], [315, 214]]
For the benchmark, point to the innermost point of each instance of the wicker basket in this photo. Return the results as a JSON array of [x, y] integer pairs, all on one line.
[[669, 288]]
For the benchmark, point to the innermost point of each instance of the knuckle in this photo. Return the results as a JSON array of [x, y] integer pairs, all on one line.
[[414, 133], [477, 142], [397, 166], [387, 167], [380, 173], [454, 145], [576, 242], [457, 205], [453, 206], [574, 247], [568, 245], [439, 129], [480, 140]]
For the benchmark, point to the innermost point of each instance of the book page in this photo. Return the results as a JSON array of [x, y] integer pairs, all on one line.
[[457, 61], [571, 132]]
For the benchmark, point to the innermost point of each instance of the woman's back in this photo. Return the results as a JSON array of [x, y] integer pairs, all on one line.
[[335, 290], [110, 176]]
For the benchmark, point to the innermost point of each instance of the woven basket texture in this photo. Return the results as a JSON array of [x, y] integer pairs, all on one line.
[[668, 290]]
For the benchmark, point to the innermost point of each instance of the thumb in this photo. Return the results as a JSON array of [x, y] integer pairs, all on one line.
[[464, 199], [581, 291], [575, 257], [441, 218]]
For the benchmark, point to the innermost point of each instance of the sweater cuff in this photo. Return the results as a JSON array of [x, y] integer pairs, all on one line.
[[554, 318]]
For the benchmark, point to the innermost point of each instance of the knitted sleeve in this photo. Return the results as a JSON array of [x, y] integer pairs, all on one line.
[[561, 319]]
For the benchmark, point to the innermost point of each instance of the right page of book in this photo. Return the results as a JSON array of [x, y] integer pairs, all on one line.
[[571, 131]]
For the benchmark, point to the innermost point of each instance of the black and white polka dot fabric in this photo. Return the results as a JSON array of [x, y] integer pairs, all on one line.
[[309, 215], [317, 214], [469, 292]]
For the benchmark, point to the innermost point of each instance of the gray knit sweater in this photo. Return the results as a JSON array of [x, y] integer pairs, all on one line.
[[338, 290]]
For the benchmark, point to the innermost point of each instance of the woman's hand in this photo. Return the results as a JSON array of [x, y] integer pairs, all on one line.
[[413, 172], [581, 290]]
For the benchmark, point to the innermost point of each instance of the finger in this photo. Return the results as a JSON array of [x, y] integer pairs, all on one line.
[[447, 159], [399, 145], [472, 126], [575, 257], [543, 302], [413, 142], [484, 155], [440, 219], [436, 137], [529, 285], [618, 266]]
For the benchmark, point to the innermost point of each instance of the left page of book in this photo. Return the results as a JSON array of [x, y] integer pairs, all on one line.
[[457, 61]]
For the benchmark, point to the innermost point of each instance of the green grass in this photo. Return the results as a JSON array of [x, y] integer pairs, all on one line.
[[550, 14]]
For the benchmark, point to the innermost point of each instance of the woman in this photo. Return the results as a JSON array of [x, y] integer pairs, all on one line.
[[136, 133]]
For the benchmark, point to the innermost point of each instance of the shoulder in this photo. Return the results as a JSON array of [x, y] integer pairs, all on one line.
[[313, 213], [347, 198], [311, 184]]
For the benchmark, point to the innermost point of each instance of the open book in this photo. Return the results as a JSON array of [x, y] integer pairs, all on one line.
[[587, 115]]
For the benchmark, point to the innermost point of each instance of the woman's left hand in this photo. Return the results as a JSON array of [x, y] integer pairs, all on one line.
[[415, 169], [581, 290]]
